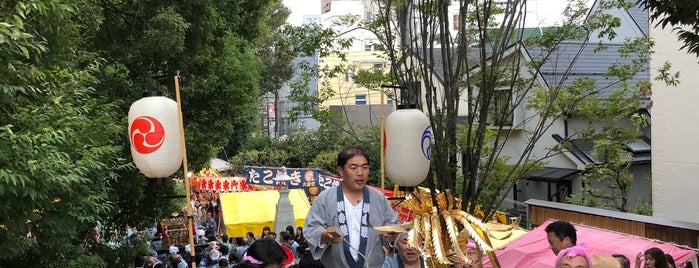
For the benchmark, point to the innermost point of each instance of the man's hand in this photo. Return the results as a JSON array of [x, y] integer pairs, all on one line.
[[331, 235], [390, 237]]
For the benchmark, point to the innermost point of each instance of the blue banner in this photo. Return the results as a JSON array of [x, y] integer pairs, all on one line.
[[301, 177]]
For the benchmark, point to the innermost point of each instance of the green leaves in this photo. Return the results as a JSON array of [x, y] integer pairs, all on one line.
[[56, 138], [69, 70], [164, 33], [607, 184], [676, 13], [46, 162]]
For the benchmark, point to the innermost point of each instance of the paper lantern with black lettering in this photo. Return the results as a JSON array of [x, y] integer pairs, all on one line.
[[408, 140], [154, 132]]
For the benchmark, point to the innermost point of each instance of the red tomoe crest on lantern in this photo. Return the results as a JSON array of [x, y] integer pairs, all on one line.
[[154, 132], [147, 134]]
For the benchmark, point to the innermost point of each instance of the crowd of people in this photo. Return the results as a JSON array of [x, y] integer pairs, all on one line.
[[290, 249], [268, 250], [206, 214], [562, 238], [339, 233]]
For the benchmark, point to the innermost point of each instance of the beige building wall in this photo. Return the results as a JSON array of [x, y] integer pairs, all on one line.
[[675, 131], [345, 90]]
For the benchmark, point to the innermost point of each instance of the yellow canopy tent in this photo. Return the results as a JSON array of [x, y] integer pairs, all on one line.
[[251, 211]]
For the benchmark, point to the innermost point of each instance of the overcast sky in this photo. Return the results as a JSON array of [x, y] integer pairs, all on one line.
[[546, 12], [540, 12]]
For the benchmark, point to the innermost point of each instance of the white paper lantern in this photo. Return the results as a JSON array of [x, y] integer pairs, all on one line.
[[408, 140], [154, 132]]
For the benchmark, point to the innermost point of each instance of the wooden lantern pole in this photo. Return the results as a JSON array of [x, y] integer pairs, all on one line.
[[383, 141], [190, 220]]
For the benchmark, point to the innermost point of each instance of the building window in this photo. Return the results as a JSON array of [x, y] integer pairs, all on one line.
[[348, 75], [373, 47], [638, 146], [325, 6], [500, 112], [378, 66], [360, 99]]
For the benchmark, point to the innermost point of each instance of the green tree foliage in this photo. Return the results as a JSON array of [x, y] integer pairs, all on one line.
[[314, 42], [276, 55], [608, 183], [479, 68], [213, 46], [676, 14], [309, 149], [276, 52], [613, 172], [303, 149], [69, 70], [58, 153]]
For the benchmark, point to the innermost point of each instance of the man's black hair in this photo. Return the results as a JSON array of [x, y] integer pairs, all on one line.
[[224, 250], [272, 234], [625, 262], [286, 236], [267, 251], [563, 229], [349, 152]]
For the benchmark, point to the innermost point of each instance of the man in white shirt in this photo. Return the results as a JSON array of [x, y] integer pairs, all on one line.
[[347, 208]]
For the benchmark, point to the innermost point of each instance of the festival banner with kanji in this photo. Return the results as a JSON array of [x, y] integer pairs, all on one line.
[[221, 184], [306, 178], [301, 177]]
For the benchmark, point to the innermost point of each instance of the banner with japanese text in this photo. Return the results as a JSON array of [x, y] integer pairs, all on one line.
[[221, 184], [301, 177]]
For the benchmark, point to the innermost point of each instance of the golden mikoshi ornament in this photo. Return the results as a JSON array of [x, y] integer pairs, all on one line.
[[442, 228]]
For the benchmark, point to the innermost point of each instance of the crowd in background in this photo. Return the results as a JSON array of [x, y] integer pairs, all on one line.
[[214, 251], [562, 239]]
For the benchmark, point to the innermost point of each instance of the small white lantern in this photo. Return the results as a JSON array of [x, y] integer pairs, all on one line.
[[154, 132], [408, 140]]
